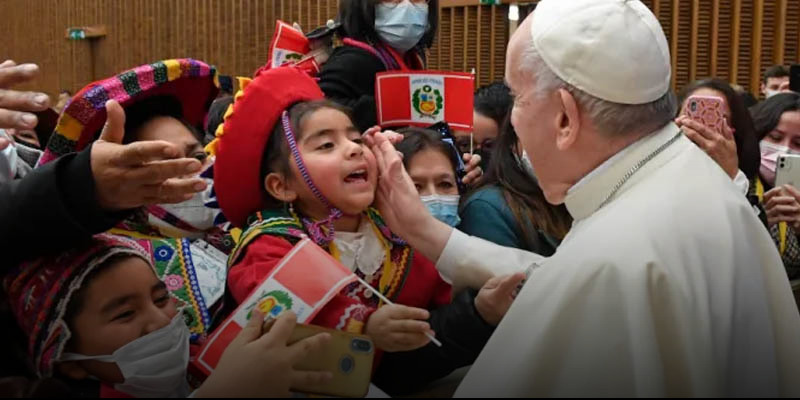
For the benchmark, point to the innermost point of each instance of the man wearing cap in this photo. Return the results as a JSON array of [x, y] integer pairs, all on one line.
[[667, 284]]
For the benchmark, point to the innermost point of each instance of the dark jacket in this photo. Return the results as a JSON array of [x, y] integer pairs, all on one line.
[[52, 209], [463, 334], [348, 78]]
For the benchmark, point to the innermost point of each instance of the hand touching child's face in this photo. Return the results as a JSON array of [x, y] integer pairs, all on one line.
[[339, 162]]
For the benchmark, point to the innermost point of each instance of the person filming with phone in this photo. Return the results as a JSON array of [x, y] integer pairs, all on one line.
[[715, 118], [777, 127], [667, 281]]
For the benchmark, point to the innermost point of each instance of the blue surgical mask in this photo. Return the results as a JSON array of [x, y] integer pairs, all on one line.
[[443, 207], [401, 26]]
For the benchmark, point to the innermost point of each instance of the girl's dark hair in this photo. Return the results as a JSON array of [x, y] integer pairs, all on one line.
[[417, 140], [493, 101], [358, 21], [767, 114], [277, 157], [747, 148], [143, 111], [216, 116], [522, 192]]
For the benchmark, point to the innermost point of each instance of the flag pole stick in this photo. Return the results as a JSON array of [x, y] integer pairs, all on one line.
[[387, 301]]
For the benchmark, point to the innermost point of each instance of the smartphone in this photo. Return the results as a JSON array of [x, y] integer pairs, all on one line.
[[788, 170], [448, 137], [348, 356], [794, 78], [708, 110]]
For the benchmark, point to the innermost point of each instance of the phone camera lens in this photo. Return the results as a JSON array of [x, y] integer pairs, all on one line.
[[694, 106], [347, 364], [361, 345]]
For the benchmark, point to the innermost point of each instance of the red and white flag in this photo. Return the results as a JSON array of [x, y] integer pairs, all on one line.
[[303, 282], [288, 45], [423, 98]]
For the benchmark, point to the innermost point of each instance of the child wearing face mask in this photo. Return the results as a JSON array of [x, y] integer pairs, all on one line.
[[292, 165], [99, 317], [377, 36], [166, 100], [432, 164]]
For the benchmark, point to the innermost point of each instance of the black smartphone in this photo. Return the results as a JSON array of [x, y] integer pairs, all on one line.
[[447, 136], [794, 78]]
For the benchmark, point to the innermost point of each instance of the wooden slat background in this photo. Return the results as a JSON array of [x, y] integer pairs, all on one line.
[[731, 39]]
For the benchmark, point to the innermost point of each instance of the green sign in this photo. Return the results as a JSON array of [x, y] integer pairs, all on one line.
[[490, 2], [77, 34]]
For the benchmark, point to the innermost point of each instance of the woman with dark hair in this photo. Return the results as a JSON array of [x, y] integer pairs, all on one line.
[[737, 155], [377, 36], [777, 127], [509, 208]]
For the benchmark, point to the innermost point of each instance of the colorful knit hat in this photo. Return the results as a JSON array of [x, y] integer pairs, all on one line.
[[39, 293], [194, 83], [242, 138]]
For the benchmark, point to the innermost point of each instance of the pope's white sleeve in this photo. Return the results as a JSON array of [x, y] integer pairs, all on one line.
[[742, 182], [468, 261]]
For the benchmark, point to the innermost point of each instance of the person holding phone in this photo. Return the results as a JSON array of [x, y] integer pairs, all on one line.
[[730, 142], [777, 127], [666, 274]]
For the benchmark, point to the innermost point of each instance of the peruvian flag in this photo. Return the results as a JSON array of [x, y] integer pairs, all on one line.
[[288, 45], [303, 282], [424, 98]]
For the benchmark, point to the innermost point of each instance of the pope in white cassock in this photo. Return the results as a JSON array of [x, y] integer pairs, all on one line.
[[667, 284]]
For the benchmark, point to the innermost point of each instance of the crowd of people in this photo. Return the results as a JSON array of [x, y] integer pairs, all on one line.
[[588, 236]]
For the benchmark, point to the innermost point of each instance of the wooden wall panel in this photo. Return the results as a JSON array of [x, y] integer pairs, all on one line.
[[792, 32], [472, 37], [231, 34], [683, 56], [731, 39], [702, 61], [724, 43]]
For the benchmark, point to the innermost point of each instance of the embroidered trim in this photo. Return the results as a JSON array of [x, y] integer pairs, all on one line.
[[353, 313]]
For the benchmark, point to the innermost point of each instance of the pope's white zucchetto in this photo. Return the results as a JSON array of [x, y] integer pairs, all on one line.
[[612, 49]]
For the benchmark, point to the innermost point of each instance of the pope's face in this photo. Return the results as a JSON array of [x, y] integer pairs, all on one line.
[[534, 117]]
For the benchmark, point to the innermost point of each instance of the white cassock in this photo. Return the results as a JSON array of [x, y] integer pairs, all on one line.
[[672, 288]]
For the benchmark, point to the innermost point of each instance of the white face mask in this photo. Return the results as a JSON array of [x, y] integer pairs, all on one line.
[[769, 92], [401, 26], [153, 365], [197, 211], [194, 211]]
